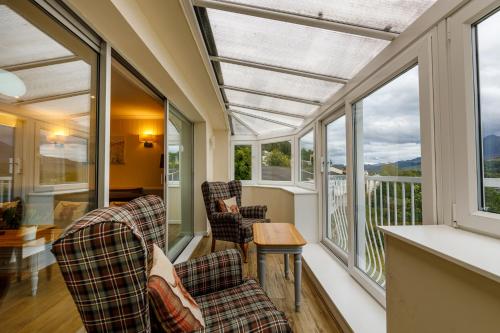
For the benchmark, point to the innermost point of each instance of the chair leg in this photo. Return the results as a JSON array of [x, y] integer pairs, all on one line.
[[244, 248], [213, 243]]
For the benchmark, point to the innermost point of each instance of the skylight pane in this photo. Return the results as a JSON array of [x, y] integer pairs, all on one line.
[[261, 126], [55, 79], [277, 83], [59, 108], [389, 15], [272, 116], [290, 45], [268, 103], [23, 43], [239, 129]]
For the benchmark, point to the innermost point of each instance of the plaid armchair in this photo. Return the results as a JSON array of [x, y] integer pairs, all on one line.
[[231, 227], [105, 258]]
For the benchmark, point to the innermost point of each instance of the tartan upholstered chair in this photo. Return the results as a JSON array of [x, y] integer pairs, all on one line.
[[105, 258], [231, 227]]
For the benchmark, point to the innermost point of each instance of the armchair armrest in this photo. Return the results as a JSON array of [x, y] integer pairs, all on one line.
[[210, 273], [256, 212]]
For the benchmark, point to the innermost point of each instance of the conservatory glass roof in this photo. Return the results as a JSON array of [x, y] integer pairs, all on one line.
[[278, 61]]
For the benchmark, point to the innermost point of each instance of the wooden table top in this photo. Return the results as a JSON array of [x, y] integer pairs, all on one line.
[[45, 234], [277, 234]]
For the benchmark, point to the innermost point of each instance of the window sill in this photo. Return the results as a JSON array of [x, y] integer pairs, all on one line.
[[288, 188], [472, 251], [359, 311]]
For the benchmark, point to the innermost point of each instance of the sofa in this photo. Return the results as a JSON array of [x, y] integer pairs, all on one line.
[[105, 257]]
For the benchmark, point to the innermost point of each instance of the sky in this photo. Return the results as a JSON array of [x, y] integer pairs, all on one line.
[[489, 74], [389, 123]]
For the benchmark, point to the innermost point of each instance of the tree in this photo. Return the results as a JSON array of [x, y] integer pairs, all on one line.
[[243, 162]]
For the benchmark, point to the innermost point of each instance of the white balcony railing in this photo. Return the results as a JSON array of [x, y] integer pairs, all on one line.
[[389, 200]]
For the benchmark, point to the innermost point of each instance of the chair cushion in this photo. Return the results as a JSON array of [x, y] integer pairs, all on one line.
[[244, 308], [228, 205], [175, 309]]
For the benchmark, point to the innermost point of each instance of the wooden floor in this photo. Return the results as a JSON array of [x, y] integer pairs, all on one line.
[[53, 310], [313, 316]]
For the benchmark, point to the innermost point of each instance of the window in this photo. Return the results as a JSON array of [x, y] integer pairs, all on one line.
[[306, 150], [388, 167], [276, 161], [488, 111], [336, 184], [173, 163], [243, 162]]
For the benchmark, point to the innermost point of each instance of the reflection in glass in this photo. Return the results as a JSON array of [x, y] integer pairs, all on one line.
[[48, 80], [180, 184], [336, 169], [388, 162], [276, 160], [488, 79], [306, 148]]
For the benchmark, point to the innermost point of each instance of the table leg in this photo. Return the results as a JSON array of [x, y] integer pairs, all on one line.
[[19, 263], [261, 268], [287, 266], [34, 274], [298, 280]]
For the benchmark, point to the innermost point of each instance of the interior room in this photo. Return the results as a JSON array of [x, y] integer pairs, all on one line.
[[249, 166]]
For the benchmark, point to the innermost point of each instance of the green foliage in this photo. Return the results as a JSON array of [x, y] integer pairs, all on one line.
[[277, 154], [173, 161], [243, 162]]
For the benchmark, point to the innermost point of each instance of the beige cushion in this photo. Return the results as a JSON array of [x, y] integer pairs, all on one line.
[[68, 211], [174, 308], [229, 205]]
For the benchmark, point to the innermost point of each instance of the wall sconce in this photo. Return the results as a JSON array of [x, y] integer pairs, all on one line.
[[148, 138], [57, 138]]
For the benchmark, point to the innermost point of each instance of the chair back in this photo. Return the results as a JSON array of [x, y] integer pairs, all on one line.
[[215, 191], [105, 257]]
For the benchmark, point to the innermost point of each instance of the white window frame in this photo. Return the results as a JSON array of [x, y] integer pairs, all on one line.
[[337, 113], [297, 166], [292, 162], [39, 126], [418, 53], [462, 68], [255, 147]]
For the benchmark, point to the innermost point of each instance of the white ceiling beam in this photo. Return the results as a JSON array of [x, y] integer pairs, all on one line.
[[265, 110], [296, 19], [52, 97], [40, 63], [278, 69], [262, 93], [262, 118]]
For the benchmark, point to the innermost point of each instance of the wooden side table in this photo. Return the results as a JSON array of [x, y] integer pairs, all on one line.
[[281, 238]]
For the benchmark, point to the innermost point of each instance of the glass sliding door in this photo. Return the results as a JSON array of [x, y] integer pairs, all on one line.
[[336, 229], [180, 182], [388, 167], [48, 149]]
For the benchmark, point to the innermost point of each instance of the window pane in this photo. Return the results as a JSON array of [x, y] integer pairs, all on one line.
[[488, 71], [290, 45], [336, 169], [306, 148], [388, 174], [386, 15], [260, 126], [63, 158], [276, 160], [243, 162], [173, 163]]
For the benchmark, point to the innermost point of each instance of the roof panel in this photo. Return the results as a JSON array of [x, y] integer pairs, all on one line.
[[290, 45], [294, 121], [388, 15], [260, 126], [277, 83], [270, 103], [239, 129]]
